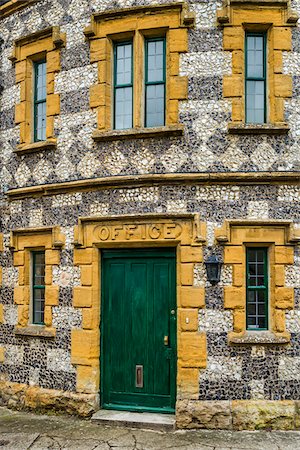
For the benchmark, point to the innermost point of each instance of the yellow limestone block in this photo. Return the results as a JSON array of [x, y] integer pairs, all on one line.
[[97, 95], [191, 254], [192, 350], [279, 320], [1, 314], [233, 86], [187, 274], [283, 85], [284, 255], [188, 383], [188, 319], [192, 297], [178, 88], [83, 256], [53, 61], [178, 40], [82, 297], [233, 38], [284, 297], [85, 346], [51, 295], [53, 104], [239, 320], [234, 297], [88, 379], [52, 257]]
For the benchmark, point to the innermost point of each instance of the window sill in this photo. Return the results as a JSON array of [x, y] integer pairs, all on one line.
[[138, 133], [35, 147], [36, 331], [252, 129], [258, 338]]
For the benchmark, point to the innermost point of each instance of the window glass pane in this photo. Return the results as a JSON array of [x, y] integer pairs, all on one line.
[[123, 64], [40, 92], [255, 57], [155, 63], [38, 305], [123, 108], [40, 101], [155, 105], [41, 121], [255, 91], [39, 269]]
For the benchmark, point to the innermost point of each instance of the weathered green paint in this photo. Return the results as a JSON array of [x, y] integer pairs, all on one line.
[[138, 311]]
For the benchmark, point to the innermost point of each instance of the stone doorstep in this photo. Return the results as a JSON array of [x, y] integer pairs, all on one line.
[[152, 421]]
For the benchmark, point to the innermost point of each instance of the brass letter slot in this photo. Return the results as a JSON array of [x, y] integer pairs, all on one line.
[[139, 376]]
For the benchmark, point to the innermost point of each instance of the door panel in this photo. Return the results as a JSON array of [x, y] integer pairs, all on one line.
[[138, 295]]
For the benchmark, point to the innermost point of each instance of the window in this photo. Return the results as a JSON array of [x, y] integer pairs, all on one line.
[[37, 60], [155, 80], [40, 101], [38, 287], [257, 288], [123, 85], [255, 77], [139, 87], [258, 35]]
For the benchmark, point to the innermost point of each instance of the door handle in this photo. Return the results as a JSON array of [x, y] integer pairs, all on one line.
[[166, 341]]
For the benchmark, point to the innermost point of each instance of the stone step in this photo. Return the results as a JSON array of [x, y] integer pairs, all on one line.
[[152, 421]]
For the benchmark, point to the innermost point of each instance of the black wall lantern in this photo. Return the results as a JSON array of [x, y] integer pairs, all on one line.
[[213, 269]]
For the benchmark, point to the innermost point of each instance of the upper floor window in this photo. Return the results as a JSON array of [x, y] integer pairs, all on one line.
[[39, 101], [257, 288], [37, 60], [259, 85], [139, 86], [154, 89], [256, 77]]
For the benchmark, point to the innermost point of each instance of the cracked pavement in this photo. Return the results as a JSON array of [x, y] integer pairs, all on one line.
[[24, 431]]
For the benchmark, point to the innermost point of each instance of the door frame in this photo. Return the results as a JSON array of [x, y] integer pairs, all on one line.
[[184, 232], [173, 337]]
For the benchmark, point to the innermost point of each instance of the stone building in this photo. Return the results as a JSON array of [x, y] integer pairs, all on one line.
[[145, 146]]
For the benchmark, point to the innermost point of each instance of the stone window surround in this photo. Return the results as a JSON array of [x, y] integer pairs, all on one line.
[[276, 18], [22, 242], [172, 20], [280, 237], [27, 49], [118, 232]]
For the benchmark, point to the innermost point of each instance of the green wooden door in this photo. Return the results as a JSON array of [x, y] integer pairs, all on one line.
[[138, 330]]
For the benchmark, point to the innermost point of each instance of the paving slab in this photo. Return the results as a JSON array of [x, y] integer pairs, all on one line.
[[17, 441], [143, 420]]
